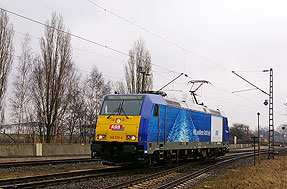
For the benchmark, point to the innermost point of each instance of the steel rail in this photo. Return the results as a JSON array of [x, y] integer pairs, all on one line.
[[23, 181], [141, 180], [45, 162], [53, 179], [201, 172], [68, 177], [240, 153]]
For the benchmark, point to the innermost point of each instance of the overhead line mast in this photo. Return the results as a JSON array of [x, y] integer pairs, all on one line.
[[271, 117], [271, 139]]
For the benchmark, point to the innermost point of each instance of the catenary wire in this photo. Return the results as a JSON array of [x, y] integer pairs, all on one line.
[[73, 35], [102, 74], [98, 55], [164, 39], [79, 49], [76, 36], [104, 46], [158, 36]]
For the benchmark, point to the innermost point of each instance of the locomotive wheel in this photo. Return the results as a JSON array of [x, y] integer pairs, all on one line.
[[93, 155], [154, 160], [167, 159]]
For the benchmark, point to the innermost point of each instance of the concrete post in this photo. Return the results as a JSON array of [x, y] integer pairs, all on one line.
[[39, 150]]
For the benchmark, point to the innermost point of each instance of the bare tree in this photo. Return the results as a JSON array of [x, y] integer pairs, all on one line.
[[241, 131], [53, 77], [21, 84], [120, 87], [139, 63], [96, 89], [6, 57], [76, 109]]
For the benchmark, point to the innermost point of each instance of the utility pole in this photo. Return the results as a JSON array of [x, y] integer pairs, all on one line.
[[283, 128], [144, 74], [259, 158]]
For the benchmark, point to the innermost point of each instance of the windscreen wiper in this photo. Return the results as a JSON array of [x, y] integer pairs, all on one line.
[[116, 110], [121, 109]]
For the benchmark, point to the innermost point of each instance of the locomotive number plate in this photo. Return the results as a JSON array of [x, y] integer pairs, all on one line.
[[116, 137]]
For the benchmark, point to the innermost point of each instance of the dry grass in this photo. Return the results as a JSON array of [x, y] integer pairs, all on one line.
[[269, 174]]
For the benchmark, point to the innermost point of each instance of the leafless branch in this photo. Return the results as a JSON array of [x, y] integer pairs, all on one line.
[[139, 61], [53, 77], [6, 57]]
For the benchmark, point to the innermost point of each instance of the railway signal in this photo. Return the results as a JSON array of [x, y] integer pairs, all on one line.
[[265, 102]]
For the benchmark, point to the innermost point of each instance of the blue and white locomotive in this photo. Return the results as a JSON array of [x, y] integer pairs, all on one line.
[[148, 129]]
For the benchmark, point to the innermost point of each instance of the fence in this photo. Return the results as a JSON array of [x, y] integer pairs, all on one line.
[[36, 150], [33, 150]]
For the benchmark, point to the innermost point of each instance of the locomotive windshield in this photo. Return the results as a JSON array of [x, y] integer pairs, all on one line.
[[122, 105]]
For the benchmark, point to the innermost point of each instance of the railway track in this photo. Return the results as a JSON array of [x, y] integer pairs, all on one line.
[[50, 179], [67, 177], [178, 174], [61, 161], [235, 154], [190, 178], [45, 162]]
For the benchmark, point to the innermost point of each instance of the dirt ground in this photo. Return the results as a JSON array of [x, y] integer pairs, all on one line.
[[268, 174]]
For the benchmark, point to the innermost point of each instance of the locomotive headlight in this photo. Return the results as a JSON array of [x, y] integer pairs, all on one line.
[[131, 137], [101, 137], [118, 120]]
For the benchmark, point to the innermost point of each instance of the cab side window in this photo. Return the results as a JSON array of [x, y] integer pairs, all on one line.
[[155, 110]]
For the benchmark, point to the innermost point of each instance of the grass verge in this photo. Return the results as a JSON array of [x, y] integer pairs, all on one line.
[[268, 174]]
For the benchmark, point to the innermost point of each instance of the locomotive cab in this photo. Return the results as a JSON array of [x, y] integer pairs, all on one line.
[[116, 131]]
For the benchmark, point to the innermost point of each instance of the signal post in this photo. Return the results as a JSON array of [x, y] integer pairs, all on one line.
[[259, 158]]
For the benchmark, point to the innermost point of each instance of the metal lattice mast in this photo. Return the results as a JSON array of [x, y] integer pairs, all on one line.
[[271, 118], [271, 138]]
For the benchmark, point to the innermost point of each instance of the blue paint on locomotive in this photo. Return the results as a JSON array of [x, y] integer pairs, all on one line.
[[181, 125], [182, 129], [146, 111], [226, 131]]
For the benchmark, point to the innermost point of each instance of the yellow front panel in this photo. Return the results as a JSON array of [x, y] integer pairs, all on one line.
[[117, 128]]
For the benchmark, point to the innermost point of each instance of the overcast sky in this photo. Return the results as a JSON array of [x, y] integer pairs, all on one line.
[[205, 39]]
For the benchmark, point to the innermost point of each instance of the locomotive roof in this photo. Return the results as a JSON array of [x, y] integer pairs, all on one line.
[[158, 99], [195, 107]]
